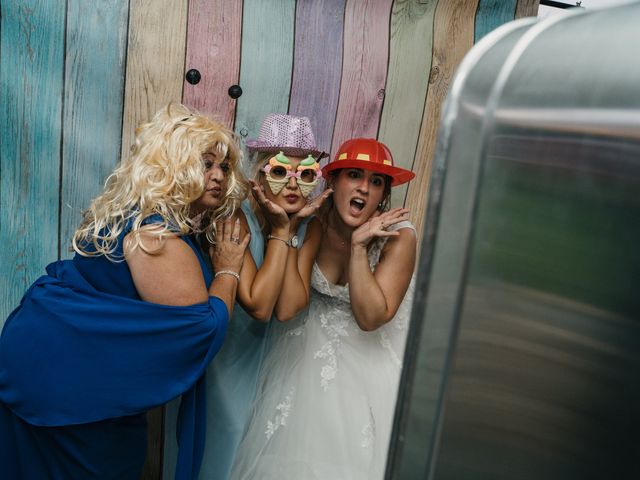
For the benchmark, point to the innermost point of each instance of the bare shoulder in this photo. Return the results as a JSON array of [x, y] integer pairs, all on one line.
[[165, 269], [402, 245], [314, 229]]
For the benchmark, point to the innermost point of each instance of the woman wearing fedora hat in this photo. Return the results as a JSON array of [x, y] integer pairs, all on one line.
[[275, 277], [328, 383]]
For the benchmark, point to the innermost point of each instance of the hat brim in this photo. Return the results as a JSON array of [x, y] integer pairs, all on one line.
[[398, 175], [257, 146]]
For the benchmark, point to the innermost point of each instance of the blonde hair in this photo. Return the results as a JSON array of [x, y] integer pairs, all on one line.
[[163, 175], [259, 160]]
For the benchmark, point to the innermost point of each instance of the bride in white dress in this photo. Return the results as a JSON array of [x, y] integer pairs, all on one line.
[[328, 384]]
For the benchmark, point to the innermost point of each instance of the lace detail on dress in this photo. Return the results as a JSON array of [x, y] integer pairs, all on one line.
[[339, 324], [296, 332], [368, 431], [335, 329], [280, 420], [385, 342]]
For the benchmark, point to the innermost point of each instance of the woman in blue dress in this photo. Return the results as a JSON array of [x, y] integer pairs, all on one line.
[[275, 276], [131, 321]]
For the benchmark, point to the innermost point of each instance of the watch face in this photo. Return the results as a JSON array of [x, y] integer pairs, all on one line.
[[294, 241]]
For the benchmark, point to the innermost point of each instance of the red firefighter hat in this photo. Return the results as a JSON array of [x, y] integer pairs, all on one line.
[[368, 154]]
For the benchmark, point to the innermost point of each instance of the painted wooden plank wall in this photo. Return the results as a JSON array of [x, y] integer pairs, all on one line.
[[266, 62], [155, 61], [364, 70], [453, 37], [491, 14], [44, 119], [31, 88], [317, 68], [94, 87], [213, 48], [411, 44]]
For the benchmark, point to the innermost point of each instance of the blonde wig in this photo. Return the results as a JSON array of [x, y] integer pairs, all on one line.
[[163, 175]]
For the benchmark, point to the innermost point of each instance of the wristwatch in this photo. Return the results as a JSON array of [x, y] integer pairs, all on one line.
[[292, 242]]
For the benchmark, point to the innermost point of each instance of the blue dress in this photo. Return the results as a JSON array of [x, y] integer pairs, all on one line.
[[81, 361], [232, 377]]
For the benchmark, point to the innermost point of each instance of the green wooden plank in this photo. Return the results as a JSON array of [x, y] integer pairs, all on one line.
[[94, 85], [407, 82], [31, 85], [266, 62], [491, 14]]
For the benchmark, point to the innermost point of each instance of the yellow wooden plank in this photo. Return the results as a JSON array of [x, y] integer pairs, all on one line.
[[155, 60], [453, 37], [527, 8]]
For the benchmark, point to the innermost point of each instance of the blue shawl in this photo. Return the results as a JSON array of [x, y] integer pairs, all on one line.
[[70, 354]]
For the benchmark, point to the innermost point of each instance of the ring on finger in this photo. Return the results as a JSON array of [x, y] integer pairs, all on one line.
[[235, 239]]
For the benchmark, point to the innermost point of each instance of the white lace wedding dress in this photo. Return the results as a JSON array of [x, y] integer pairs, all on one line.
[[326, 393]]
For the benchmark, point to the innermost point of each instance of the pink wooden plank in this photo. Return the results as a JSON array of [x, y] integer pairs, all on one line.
[[364, 69], [317, 65], [213, 48]]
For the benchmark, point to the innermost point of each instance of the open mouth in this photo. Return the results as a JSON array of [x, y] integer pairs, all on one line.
[[357, 203]]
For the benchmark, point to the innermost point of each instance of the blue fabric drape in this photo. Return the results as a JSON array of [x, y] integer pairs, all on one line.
[[70, 355]]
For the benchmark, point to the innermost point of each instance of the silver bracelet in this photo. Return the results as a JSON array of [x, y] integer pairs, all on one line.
[[228, 272], [269, 237]]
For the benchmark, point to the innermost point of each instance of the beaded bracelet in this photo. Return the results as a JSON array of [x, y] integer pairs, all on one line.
[[228, 272]]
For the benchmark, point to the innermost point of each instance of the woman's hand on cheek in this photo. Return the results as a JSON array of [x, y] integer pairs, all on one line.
[[275, 214], [228, 251], [377, 226], [310, 209]]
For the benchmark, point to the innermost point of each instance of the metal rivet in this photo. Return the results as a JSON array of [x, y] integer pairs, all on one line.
[[193, 76], [235, 91]]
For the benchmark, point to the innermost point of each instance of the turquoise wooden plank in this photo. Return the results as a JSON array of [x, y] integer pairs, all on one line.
[[491, 14], [266, 61], [92, 123], [213, 48], [407, 82], [364, 70], [31, 85], [317, 65]]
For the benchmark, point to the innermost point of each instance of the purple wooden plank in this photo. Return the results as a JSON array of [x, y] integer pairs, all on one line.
[[317, 65], [213, 48], [364, 69]]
